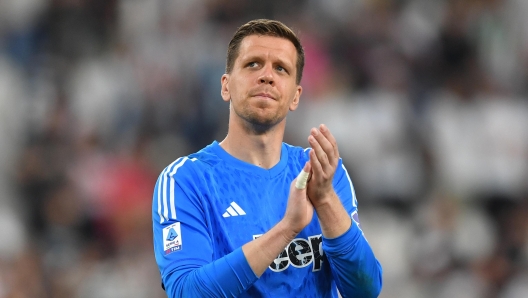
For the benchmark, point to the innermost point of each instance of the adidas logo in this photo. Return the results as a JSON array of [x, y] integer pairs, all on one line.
[[234, 210]]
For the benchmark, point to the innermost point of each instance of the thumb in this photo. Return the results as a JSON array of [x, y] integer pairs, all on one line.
[[304, 175]]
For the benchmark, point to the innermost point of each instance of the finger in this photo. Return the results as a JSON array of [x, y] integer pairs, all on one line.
[[326, 145], [317, 169], [323, 141], [330, 137], [302, 178], [319, 152]]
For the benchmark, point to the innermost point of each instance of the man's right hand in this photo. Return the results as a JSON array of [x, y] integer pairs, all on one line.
[[299, 211]]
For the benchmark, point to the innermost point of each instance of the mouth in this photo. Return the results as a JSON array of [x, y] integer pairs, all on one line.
[[264, 96]]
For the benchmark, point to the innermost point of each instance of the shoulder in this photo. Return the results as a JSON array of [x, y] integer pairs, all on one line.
[[191, 165], [182, 166], [296, 152]]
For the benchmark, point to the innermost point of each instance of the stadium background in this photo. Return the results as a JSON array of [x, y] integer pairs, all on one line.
[[427, 99]]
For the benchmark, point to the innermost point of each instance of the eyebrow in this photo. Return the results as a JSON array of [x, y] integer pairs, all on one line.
[[280, 61]]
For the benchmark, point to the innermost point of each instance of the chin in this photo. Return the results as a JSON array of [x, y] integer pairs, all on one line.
[[260, 125]]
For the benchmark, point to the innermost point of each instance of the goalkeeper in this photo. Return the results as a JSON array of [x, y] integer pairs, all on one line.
[[230, 221]]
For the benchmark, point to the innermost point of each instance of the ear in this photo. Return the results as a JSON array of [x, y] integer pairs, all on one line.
[[226, 96], [295, 102]]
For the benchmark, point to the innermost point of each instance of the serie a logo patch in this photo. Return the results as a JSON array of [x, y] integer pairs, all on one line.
[[172, 240]]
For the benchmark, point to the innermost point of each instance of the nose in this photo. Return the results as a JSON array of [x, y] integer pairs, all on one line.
[[266, 77]]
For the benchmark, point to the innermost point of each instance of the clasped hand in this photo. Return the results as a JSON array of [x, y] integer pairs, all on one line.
[[324, 158]]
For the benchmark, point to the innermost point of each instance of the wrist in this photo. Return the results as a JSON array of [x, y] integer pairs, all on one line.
[[285, 230], [333, 217], [326, 199]]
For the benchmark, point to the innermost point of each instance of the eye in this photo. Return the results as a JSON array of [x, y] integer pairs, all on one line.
[[281, 69], [252, 64]]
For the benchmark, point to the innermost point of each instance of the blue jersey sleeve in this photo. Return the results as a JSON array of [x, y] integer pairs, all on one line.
[[355, 269], [183, 244]]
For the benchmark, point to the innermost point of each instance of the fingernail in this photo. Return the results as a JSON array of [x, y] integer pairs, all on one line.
[[314, 132], [323, 127]]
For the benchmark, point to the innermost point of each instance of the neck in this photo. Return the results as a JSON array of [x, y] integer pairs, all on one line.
[[262, 149]]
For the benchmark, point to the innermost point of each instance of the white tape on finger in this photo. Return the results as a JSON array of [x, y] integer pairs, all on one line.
[[302, 179]]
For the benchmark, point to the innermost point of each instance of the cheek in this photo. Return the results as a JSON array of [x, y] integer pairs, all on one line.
[[238, 87], [291, 91], [233, 90]]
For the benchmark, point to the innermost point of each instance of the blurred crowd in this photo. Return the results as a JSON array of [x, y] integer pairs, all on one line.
[[427, 100]]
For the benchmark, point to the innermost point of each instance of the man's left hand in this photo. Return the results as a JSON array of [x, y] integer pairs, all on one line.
[[324, 158]]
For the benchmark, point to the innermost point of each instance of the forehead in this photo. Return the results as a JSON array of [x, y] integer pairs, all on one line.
[[267, 46]]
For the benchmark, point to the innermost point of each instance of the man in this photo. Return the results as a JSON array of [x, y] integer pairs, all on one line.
[[228, 220]]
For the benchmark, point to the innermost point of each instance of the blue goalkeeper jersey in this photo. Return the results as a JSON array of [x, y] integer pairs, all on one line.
[[208, 204]]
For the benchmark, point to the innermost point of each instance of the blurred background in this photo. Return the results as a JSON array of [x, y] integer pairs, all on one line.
[[427, 99]]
